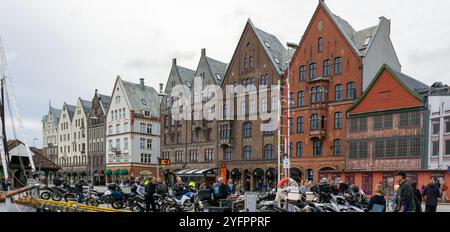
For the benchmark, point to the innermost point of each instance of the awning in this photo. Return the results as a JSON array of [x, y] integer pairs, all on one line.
[[193, 172]]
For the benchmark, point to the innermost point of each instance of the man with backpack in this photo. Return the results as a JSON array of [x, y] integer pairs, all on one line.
[[219, 190]]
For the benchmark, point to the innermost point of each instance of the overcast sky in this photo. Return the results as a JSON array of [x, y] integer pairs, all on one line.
[[60, 50]]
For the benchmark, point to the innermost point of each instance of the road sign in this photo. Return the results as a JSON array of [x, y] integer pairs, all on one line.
[[165, 162], [286, 163]]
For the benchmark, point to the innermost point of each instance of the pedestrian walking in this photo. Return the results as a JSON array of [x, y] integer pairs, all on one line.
[[417, 197], [230, 186], [377, 203], [444, 192], [405, 194], [431, 194], [150, 190]]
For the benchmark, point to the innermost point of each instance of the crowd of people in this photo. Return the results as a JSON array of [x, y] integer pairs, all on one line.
[[408, 198]]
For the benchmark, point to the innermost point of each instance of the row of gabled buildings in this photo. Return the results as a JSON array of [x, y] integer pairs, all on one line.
[[348, 112], [115, 135], [352, 115]]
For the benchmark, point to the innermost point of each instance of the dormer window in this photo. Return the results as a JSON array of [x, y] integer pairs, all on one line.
[[143, 101], [147, 113]]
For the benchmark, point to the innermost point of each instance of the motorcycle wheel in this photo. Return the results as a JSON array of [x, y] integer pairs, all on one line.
[[165, 207], [117, 204], [45, 195], [137, 208], [57, 197], [70, 197]]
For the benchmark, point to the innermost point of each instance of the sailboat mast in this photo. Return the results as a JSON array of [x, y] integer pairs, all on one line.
[[2, 116]]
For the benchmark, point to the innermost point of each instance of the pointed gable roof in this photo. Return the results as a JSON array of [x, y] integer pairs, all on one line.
[[411, 85], [356, 39], [217, 68], [70, 110], [87, 106], [273, 47], [104, 102], [141, 97], [185, 74]]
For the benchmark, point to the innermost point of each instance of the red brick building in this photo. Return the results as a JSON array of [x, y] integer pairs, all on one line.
[[386, 133], [333, 64]]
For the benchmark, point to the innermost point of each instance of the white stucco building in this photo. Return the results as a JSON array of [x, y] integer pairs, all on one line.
[[132, 129], [439, 132], [50, 136]]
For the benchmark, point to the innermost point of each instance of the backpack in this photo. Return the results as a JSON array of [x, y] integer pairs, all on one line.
[[133, 188], [217, 190]]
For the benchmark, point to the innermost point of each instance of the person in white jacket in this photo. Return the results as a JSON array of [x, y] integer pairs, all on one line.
[[141, 188]]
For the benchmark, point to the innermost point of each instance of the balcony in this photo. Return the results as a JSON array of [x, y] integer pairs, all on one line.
[[226, 142], [317, 134], [320, 79]]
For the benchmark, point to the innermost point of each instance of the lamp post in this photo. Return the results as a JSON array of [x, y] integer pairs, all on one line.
[[91, 159], [288, 144]]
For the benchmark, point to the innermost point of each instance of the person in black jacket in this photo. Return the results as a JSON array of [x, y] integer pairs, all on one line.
[[377, 203], [405, 196], [418, 197], [432, 195], [150, 190], [219, 190]]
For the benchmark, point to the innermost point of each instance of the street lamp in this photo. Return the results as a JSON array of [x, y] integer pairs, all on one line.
[[91, 159], [287, 145]]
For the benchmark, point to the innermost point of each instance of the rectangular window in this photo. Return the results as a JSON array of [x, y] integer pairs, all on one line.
[[436, 126], [435, 148], [447, 147], [363, 149], [390, 148], [149, 128], [415, 146], [379, 149], [302, 73], [408, 119], [447, 125], [149, 144], [142, 143], [402, 145]]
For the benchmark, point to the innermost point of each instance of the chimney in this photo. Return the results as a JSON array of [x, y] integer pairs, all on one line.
[[174, 61], [161, 89], [203, 51], [141, 83]]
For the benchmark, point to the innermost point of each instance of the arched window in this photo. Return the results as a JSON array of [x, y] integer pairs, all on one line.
[[337, 147], [312, 71], [228, 153], [299, 149], [338, 120], [247, 152], [337, 65], [268, 151], [326, 68], [301, 98], [338, 92], [302, 73], [314, 122], [320, 44], [313, 95], [245, 63], [300, 125], [317, 148], [250, 62], [248, 130], [351, 91]]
